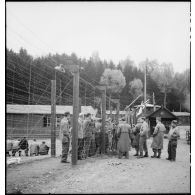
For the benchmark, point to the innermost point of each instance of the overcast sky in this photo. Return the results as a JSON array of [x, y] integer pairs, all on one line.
[[154, 30]]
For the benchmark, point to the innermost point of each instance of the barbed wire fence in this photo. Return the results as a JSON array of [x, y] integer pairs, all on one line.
[[28, 94]]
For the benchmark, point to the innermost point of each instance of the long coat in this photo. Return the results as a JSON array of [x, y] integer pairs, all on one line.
[[158, 136], [124, 141]]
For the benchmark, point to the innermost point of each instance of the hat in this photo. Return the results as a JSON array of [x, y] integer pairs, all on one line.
[[174, 122], [138, 120], [158, 118], [81, 114]]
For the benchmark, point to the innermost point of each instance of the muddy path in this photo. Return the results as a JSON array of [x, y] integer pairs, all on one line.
[[106, 174]]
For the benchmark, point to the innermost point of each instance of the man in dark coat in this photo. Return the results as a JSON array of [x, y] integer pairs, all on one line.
[[158, 135], [24, 146], [136, 131]]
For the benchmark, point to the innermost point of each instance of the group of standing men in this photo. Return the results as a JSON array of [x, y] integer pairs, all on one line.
[[140, 132], [125, 136], [89, 136]]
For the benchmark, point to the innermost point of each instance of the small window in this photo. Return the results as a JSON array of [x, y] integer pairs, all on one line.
[[58, 119], [46, 121]]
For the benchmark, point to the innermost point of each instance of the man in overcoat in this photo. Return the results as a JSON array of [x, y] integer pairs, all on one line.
[[158, 135], [124, 135]]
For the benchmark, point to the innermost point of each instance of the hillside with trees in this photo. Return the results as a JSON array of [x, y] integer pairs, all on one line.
[[28, 80]]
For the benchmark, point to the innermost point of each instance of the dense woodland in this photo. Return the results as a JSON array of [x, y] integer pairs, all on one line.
[[28, 80]]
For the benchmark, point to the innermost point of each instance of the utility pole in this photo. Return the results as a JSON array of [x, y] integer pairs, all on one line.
[[118, 110], [85, 94], [145, 83], [60, 103], [110, 106], [53, 118], [103, 90]]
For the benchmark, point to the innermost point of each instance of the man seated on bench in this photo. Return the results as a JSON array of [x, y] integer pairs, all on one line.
[[43, 149], [34, 148]]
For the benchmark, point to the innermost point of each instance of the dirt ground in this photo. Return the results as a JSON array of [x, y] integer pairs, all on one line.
[[105, 174]]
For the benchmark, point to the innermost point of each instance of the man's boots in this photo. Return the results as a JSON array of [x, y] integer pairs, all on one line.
[[159, 153], [127, 155], [141, 155], [154, 155], [146, 154], [136, 153], [120, 155]]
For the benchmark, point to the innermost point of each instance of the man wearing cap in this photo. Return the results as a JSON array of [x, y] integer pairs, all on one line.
[[158, 135], [173, 136], [65, 136], [143, 138]]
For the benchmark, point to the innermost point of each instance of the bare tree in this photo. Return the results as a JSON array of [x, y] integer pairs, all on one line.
[[114, 80], [163, 75], [136, 88]]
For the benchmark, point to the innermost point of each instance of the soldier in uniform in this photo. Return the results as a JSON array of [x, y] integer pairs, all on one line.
[[158, 135], [173, 136], [124, 134], [65, 136], [92, 145], [143, 138], [98, 126], [115, 137], [87, 134]]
